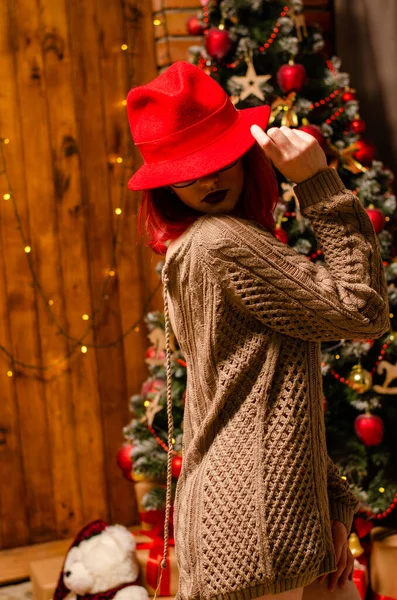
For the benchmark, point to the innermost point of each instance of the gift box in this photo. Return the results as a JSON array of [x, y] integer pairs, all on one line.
[[141, 488], [150, 552], [383, 564], [360, 578]]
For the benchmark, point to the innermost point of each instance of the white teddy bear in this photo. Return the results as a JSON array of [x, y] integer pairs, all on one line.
[[101, 564]]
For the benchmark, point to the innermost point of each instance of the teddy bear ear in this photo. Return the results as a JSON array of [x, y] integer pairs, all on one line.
[[123, 537]]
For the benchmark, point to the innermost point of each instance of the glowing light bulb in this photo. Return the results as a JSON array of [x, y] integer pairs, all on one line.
[[119, 159], [28, 249], [118, 211], [84, 349], [173, 440], [85, 317], [157, 22], [381, 489], [146, 403], [343, 477], [7, 196], [112, 273], [337, 357], [124, 47], [50, 302], [221, 26], [391, 315], [6, 141], [124, 103], [10, 373]]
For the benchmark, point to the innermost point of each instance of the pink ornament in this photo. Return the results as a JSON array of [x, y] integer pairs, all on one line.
[[218, 42], [377, 217], [204, 2], [291, 78], [369, 428]]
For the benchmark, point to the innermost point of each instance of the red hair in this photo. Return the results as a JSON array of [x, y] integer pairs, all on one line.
[[163, 216]]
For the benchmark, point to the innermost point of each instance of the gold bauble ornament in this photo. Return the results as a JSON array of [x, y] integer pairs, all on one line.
[[137, 476], [354, 545], [360, 379]]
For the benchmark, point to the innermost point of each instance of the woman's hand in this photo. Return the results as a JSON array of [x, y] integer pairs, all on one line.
[[344, 557], [296, 154]]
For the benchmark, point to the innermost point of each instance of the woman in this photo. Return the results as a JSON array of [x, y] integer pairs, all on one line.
[[260, 509]]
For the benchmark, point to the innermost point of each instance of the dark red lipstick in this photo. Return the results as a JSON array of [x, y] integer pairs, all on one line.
[[214, 197]]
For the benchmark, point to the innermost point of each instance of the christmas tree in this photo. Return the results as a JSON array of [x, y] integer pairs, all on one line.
[[264, 52]]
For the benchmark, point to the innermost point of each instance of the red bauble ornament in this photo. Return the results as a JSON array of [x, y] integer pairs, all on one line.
[[365, 152], [369, 428], [281, 234], [218, 42], [347, 96], [176, 465], [291, 78], [152, 352], [357, 126], [315, 131], [156, 386], [377, 217], [123, 458], [194, 27], [127, 474]]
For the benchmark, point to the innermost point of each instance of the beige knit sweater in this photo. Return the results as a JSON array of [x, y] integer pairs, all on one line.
[[257, 489]]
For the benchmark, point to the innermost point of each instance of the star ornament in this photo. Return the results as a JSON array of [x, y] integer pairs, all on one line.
[[151, 411], [250, 82]]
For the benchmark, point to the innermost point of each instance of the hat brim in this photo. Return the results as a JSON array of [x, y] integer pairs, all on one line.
[[223, 151]]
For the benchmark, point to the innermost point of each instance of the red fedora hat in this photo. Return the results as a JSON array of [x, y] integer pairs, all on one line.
[[185, 126]]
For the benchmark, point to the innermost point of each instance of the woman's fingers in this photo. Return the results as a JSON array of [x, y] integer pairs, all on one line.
[[298, 157], [348, 570], [341, 567], [267, 143], [296, 140]]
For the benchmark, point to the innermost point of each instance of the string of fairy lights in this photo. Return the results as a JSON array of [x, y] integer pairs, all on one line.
[[78, 344]]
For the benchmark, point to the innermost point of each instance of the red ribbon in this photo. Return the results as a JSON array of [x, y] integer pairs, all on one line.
[[156, 549]]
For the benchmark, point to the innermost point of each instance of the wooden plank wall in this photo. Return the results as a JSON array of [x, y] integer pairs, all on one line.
[[63, 80], [173, 41]]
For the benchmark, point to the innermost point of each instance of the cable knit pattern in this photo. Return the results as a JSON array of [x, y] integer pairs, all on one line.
[[257, 488]]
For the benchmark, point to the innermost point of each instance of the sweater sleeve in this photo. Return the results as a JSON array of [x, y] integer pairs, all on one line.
[[343, 504], [347, 298]]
